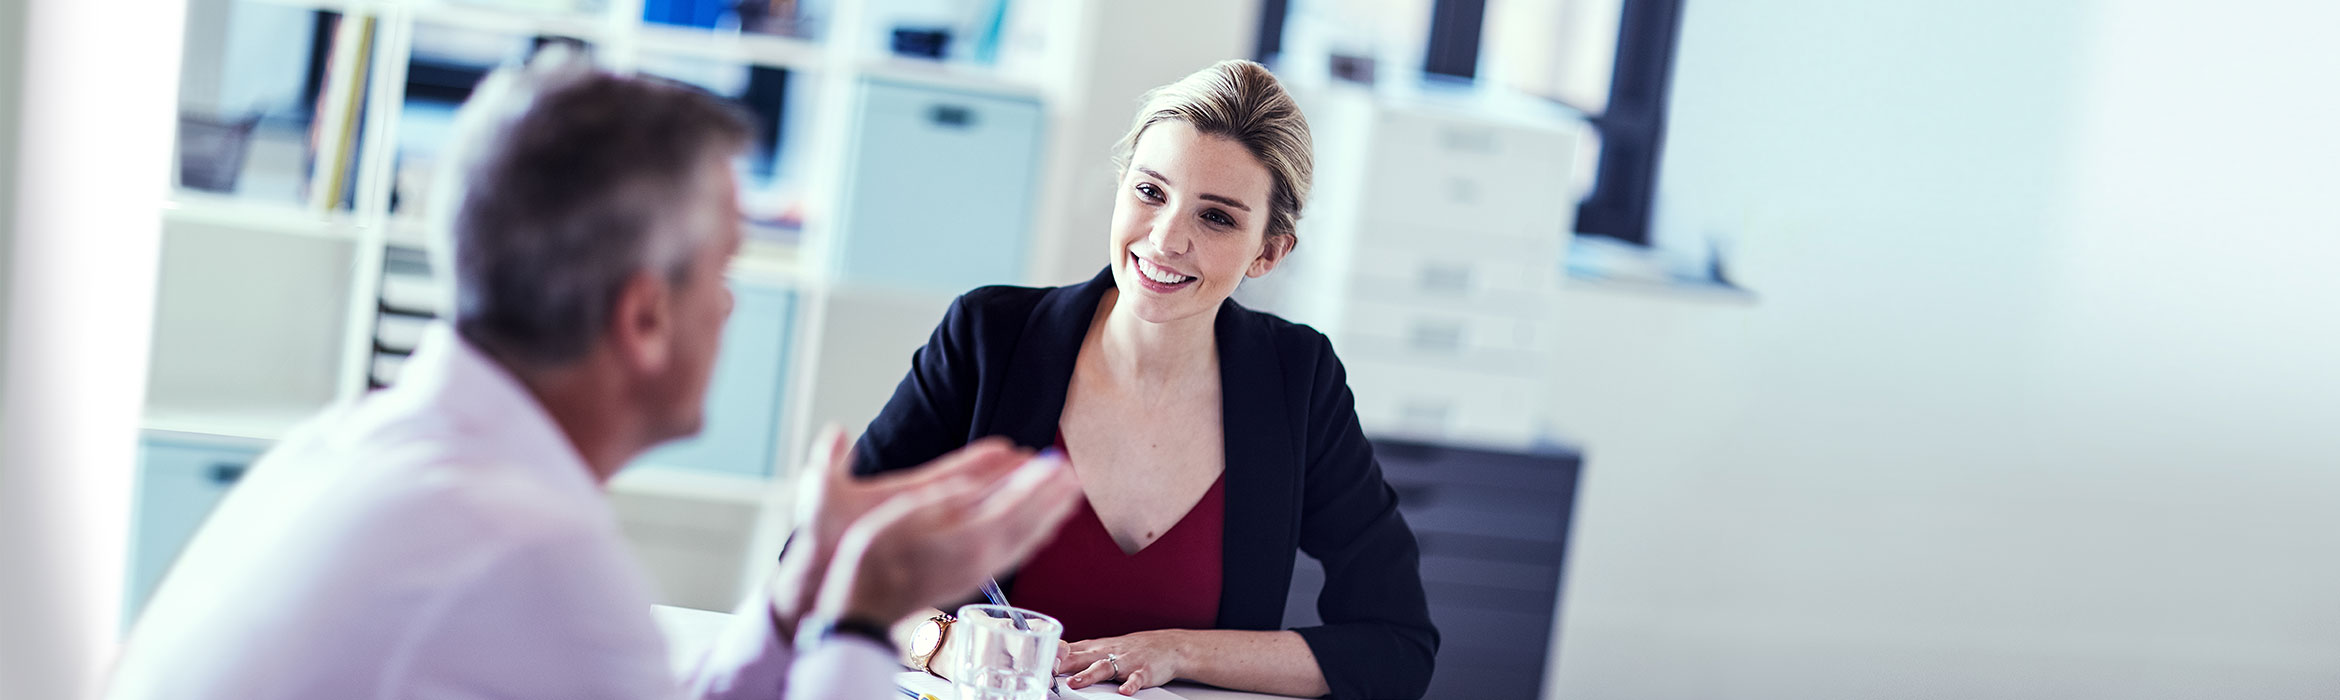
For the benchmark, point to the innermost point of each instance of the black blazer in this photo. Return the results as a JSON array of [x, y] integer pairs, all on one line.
[[1300, 475]]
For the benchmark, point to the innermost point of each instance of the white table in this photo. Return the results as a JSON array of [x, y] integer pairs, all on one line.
[[688, 631]]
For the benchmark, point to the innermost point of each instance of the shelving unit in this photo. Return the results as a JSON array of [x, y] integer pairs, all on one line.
[[275, 288]]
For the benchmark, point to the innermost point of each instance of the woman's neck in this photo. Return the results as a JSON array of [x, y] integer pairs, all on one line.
[[1152, 354]]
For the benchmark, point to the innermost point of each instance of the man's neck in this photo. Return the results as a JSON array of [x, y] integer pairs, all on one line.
[[586, 407]]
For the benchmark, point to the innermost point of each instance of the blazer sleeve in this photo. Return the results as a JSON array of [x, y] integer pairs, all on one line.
[[1377, 640], [933, 408]]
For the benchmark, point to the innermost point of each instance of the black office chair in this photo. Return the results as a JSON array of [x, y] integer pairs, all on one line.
[[1493, 528]]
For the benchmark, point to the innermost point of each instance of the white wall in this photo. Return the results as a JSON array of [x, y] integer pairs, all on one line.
[[89, 110], [12, 16], [2029, 404]]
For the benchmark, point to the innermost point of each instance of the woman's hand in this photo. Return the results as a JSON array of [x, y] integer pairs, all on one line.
[[1145, 660]]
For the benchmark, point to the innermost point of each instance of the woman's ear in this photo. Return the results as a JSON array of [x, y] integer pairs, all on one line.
[[1271, 253]]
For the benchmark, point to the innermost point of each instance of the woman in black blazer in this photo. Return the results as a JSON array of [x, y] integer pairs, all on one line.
[[1164, 390]]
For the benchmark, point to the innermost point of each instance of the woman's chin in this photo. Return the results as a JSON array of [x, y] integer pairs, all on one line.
[[1153, 308]]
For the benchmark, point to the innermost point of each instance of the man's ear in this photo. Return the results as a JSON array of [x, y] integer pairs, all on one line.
[[1271, 253], [641, 323]]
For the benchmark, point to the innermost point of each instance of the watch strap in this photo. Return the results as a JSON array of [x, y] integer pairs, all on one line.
[[855, 627]]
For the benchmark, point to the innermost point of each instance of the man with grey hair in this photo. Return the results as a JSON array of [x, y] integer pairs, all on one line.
[[449, 537]]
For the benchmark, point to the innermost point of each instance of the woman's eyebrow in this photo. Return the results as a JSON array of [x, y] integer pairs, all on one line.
[[1222, 199], [1229, 201]]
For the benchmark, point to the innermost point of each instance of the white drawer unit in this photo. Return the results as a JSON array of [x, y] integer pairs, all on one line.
[[1444, 401], [1431, 255], [1446, 169], [1458, 264], [939, 196], [1437, 344]]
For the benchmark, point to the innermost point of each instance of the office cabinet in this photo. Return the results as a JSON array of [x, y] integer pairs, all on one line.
[[177, 485], [1433, 251], [939, 193]]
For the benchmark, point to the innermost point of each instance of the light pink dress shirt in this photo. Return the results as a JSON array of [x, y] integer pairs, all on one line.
[[442, 539]]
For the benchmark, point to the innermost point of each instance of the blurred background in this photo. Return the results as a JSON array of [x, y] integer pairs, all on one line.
[[1754, 349]]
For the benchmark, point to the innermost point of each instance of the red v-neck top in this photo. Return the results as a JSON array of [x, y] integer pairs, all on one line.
[[1085, 581]]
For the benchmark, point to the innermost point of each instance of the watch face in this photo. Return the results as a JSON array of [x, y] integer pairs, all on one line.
[[926, 638]]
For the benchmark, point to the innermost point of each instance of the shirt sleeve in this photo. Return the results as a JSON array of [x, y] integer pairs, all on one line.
[[747, 661], [843, 668]]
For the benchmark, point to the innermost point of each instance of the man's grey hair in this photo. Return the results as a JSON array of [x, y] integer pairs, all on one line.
[[564, 182]]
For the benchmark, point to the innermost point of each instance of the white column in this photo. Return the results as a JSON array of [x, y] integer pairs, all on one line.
[[86, 114]]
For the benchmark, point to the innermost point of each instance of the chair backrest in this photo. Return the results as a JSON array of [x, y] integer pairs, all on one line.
[[1493, 527]]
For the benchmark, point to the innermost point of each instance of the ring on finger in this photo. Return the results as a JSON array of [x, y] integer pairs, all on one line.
[[1115, 661]]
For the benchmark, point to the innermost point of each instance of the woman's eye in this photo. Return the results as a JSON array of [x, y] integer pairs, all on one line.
[[1218, 218], [1149, 192]]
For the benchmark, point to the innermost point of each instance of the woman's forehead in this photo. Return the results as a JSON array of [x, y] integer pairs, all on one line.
[[1194, 161]]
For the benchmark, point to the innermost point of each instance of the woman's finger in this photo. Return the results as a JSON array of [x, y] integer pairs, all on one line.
[[1078, 655], [1098, 672], [1139, 679]]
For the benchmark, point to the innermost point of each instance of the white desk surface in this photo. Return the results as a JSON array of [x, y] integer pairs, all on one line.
[[688, 630]]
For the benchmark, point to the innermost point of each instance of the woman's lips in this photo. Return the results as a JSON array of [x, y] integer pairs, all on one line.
[[1138, 265]]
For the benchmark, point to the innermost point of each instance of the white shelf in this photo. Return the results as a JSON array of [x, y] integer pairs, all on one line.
[[245, 424], [752, 49], [590, 26], [780, 265], [950, 75], [326, 5], [671, 482], [407, 232], [223, 211]]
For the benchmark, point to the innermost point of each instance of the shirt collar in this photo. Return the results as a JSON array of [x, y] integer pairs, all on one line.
[[483, 402]]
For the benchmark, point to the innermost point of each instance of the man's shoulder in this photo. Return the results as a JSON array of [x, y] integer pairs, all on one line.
[[414, 475]]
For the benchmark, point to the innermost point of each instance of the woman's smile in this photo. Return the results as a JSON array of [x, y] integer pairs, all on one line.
[[1157, 278]]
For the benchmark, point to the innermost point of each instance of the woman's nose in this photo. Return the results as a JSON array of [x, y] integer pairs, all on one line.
[[1170, 235]]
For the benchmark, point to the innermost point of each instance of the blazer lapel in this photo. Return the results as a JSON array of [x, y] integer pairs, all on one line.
[[1031, 398]]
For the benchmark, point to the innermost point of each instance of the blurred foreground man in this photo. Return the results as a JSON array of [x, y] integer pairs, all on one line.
[[450, 537]]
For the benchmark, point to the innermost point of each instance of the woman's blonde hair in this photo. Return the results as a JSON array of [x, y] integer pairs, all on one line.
[[1242, 102]]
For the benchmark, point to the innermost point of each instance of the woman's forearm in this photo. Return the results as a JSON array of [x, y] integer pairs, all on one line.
[[1276, 662]]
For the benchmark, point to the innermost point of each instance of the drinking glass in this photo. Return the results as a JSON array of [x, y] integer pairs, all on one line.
[[1004, 653]]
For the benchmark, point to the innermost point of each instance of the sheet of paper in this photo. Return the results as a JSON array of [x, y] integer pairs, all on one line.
[[942, 690]]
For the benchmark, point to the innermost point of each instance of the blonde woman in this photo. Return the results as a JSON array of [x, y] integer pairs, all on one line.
[[1212, 441]]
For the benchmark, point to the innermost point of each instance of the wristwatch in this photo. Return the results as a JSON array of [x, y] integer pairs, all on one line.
[[927, 641]]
